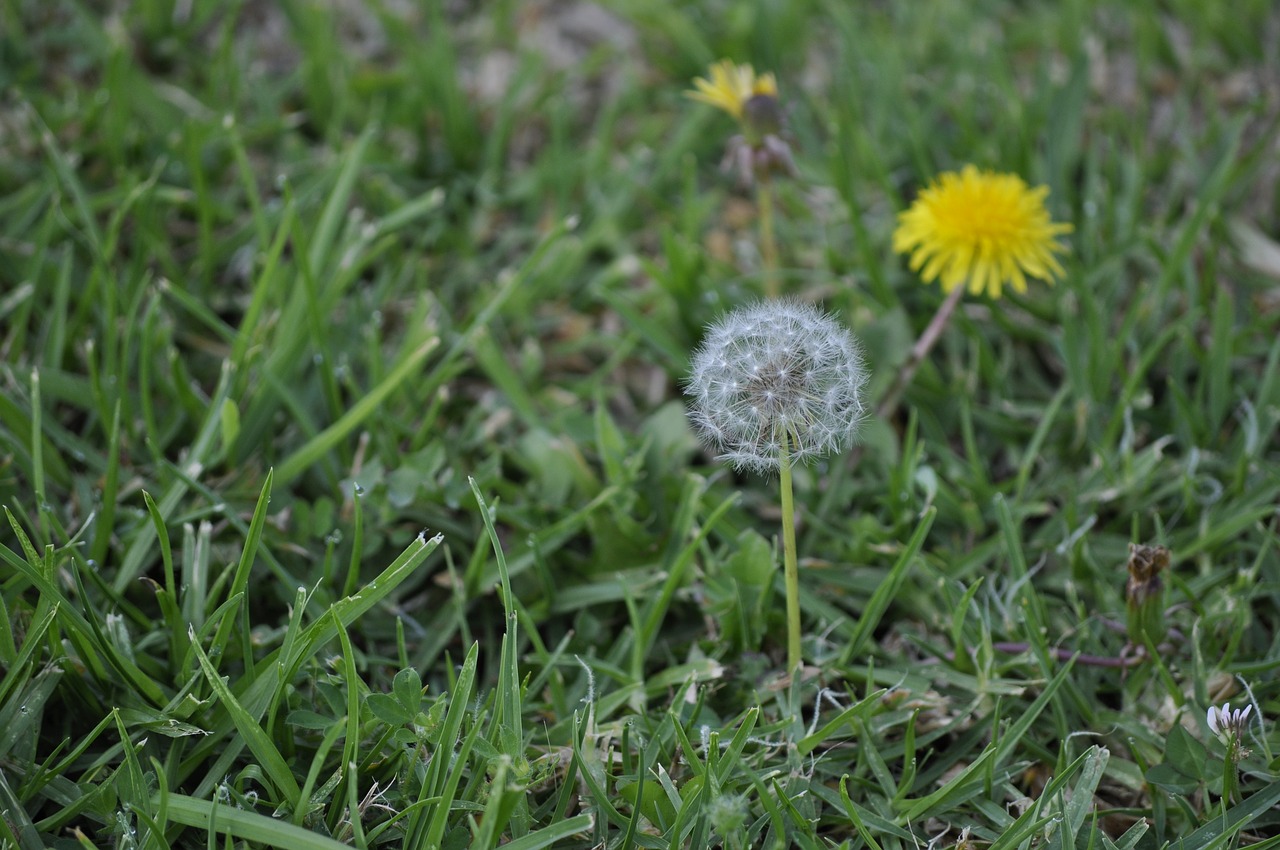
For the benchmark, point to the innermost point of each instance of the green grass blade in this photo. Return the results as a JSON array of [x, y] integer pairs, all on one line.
[[548, 836], [258, 742], [200, 454], [1232, 822], [244, 567], [16, 827], [277, 670], [245, 826], [888, 589], [321, 444], [508, 718], [427, 827]]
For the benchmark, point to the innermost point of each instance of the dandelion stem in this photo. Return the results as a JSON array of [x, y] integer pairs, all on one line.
[[790, 570], [919, 352], [768, 246]]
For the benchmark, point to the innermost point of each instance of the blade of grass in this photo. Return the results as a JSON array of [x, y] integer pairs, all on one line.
[[16, 827], [199, 455], [321, 444], [244, 567], [273, 764], [277, 670], [245, 826], [508, 718], [552, 834], [448, 761], [879, 602], [352, 682]]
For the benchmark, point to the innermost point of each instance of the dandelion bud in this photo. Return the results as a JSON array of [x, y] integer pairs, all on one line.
[[776, 377]]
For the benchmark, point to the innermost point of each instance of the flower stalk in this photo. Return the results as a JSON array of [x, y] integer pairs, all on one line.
[[919, 352], [790, 566], [768, 245]]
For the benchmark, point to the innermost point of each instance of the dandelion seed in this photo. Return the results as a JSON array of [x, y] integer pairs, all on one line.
[[981, 229]]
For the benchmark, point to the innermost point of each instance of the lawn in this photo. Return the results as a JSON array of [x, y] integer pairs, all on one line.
[[352, 494]]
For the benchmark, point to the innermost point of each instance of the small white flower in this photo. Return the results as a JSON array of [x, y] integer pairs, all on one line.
[[776, 371], [1225, 723]]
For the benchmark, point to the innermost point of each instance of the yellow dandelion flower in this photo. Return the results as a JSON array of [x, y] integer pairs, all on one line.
[[731, 86], [981, 228]]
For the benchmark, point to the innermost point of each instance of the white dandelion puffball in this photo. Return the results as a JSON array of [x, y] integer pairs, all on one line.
[[771, 371]]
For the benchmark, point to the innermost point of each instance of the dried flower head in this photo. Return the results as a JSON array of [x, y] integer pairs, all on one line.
[[731, 86], [980, 228], [1144, 594], [776, 376]]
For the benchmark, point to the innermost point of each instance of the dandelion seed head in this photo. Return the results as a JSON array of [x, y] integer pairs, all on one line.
[[775, 371]]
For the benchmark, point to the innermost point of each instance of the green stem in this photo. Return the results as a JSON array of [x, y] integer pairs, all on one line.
[[919, 352], [1230, 780], [768, 246], [790, 570]]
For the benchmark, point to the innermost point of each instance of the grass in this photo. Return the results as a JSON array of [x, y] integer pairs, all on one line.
[[349, 496]]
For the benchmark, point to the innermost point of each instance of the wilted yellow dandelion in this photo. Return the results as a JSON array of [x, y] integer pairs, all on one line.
[[982, 229], [731, 86]]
